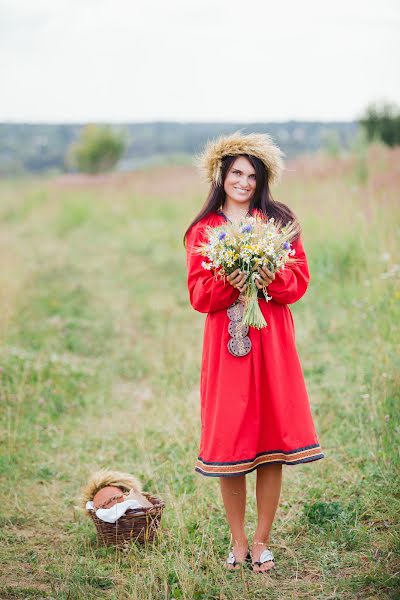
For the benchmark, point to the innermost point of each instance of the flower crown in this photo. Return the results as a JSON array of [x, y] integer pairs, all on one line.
[[259, 145]]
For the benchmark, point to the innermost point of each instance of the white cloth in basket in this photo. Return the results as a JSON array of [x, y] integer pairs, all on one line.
[[111, 515]]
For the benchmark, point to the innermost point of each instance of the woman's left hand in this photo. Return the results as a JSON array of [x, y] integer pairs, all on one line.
[[266, 277]]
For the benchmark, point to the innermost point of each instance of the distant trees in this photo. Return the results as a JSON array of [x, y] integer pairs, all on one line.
[[382, 122], [98, 149], [42, 147]]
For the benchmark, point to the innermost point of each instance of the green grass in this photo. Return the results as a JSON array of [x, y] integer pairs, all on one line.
[[99, 365]]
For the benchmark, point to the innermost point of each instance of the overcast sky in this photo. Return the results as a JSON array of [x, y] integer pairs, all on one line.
[[197, 60]]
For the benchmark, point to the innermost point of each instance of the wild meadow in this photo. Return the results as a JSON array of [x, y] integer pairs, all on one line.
[[99, 367]]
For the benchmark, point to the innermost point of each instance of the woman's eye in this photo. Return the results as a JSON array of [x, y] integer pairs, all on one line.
[[239, 173]]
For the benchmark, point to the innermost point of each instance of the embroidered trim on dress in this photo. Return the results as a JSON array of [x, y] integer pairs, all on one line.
[[241, 467]]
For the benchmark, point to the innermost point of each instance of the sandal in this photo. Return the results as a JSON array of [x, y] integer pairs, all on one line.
[[231, 560], [265, 556]]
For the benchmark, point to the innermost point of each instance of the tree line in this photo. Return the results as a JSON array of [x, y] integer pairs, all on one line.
[[41, 148], [96, 148]]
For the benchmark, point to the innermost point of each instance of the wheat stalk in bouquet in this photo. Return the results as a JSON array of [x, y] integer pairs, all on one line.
[[252, 242]]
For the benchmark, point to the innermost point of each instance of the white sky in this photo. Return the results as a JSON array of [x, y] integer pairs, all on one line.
[[196, 60]]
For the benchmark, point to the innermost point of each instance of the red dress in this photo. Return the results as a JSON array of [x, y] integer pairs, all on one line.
[[254, 408]]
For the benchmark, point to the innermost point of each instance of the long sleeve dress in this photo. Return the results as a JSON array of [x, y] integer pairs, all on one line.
[[254, 408]]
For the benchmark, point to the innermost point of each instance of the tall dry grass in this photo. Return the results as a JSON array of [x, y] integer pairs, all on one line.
[[100, 357]]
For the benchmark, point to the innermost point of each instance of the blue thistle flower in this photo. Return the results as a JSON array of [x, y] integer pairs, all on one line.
[[286, 245], [247, 229], [221, 235]]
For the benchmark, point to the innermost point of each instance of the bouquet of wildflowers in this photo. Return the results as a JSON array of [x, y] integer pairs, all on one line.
[[247, 245]]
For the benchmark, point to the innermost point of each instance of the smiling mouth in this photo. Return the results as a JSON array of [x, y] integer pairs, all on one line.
[[241, 189]]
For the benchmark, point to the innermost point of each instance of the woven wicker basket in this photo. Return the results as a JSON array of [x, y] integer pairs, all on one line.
[[136, 525]]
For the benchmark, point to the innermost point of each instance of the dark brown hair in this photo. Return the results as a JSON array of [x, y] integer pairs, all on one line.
[[262, 198]]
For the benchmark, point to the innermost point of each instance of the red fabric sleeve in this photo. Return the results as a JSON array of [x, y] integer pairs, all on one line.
[[291, 284], [206, 292]]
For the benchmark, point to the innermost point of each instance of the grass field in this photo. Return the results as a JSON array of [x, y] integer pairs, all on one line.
[[100, 357]]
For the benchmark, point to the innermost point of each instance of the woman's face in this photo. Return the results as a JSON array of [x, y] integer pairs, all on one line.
[[240, 181]]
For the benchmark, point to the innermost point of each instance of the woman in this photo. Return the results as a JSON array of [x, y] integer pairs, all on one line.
[[255, 412]]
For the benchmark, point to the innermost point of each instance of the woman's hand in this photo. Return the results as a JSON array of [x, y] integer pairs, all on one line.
[[237, 280], [266, 277]]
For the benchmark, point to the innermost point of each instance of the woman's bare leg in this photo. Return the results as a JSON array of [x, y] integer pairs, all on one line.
[[233, 491], [268, 489]]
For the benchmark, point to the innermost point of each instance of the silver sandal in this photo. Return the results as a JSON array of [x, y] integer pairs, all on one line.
[[265, 556], [231, 560]]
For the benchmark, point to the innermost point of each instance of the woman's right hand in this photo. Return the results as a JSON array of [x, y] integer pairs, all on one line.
[[237, 280]]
